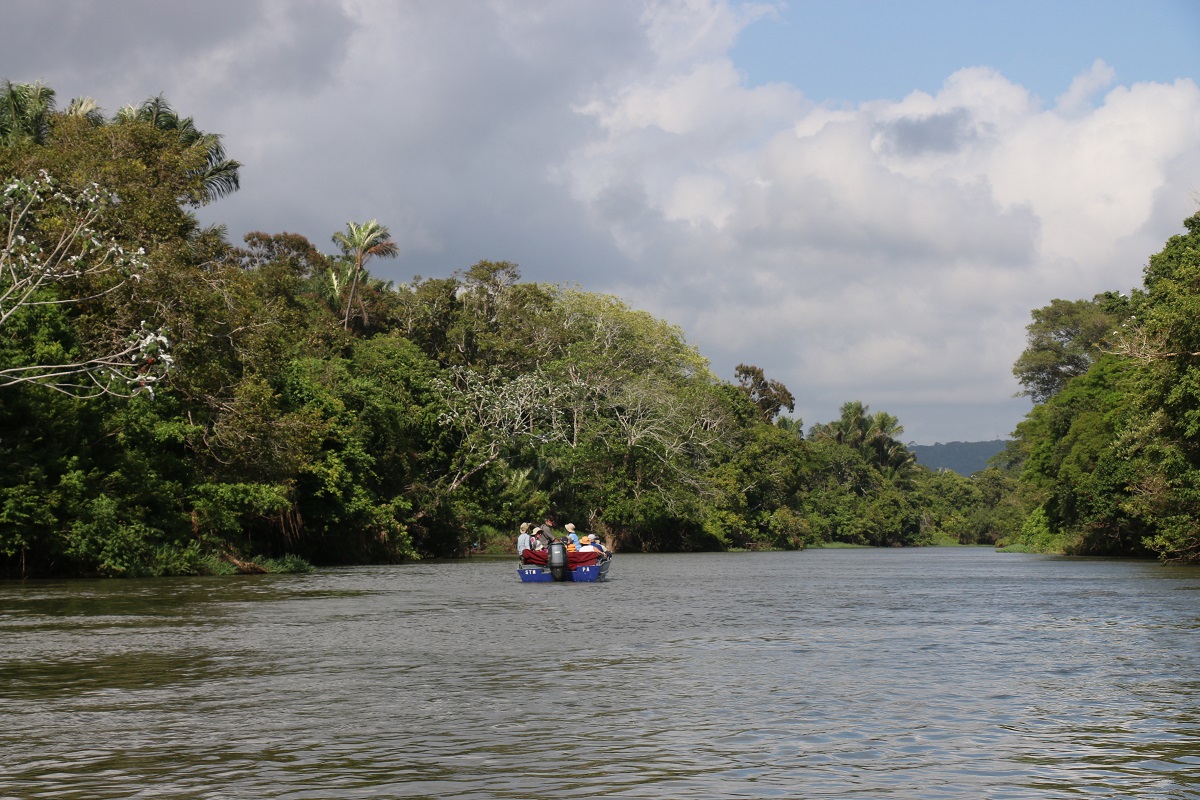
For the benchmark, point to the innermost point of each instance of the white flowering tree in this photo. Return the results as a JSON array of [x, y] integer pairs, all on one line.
[[52, 255], [493, 412]]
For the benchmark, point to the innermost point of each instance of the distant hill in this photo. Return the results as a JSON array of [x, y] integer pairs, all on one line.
[[965, 458]]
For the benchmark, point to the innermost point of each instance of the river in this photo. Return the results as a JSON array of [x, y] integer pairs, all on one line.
[[916, 673]]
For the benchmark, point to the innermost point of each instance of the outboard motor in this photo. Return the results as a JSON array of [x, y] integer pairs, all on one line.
[[560, 570]]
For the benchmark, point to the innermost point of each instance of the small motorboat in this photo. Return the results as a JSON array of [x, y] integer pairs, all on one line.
[[556, 564]]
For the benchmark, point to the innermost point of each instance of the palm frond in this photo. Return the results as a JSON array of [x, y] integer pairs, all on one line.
[[25, 110], [87, 108]]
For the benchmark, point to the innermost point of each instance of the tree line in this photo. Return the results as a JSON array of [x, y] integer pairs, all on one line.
[[174, 403], [1108, 460]]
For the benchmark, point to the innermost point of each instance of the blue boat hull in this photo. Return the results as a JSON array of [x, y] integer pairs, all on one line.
[[532, 573]]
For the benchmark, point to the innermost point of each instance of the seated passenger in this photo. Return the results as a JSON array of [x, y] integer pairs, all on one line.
[[523, 541], [594, 541]]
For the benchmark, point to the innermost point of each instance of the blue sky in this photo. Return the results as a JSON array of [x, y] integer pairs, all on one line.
[[865, 199], [855, 51]]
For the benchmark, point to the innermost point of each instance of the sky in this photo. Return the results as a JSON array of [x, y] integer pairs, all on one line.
[[864, 199]]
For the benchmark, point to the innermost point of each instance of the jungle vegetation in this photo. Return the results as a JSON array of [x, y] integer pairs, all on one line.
[[1109, 457], [175, 403]]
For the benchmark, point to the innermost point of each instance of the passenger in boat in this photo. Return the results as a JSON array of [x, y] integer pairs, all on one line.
[[594, 541], [572, 538], [523, 541]]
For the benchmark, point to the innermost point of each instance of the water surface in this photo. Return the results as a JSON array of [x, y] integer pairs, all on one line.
[[935, 673]]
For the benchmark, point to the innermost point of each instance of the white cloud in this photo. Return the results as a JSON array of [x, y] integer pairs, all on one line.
[[893, 250], [1080, 95]]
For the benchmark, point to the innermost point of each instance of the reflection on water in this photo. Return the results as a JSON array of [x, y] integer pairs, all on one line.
[[943, 673]]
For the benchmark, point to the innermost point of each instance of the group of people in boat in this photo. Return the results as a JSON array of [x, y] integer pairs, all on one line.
[[539, 538]]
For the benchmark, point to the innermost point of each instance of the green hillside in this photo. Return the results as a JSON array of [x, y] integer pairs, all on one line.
[[965, 458]]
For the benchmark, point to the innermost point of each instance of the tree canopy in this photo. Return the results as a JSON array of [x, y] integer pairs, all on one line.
[[305, 411], [1111, 455]]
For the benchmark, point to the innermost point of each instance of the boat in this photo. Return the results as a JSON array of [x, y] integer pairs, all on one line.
[[556, 564]]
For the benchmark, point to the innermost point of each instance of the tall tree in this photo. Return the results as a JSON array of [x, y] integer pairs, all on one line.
[[361, 243], [219, 174], [25, 112], [1064, 339], [876, 436], [769, 395]]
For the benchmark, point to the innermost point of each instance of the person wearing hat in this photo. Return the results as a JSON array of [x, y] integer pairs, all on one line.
[[523, 541], [594, 541], [543, 535]]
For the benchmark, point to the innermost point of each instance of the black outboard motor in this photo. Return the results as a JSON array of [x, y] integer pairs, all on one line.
[[560, 570]]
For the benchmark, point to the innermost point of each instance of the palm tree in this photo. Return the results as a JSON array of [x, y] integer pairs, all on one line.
[[25, 110], [876, 436], [219, 175], [884, 448], [86, 108], [361, 243], [850, 429]]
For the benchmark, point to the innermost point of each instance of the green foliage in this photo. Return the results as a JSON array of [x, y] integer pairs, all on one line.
[[54, 260], [360, 243], [769, 395], [290, 563], [25, 112], [876, 436], [1065, 339], [1036, 536], [1114, 452], [216, 175], [316, 415]]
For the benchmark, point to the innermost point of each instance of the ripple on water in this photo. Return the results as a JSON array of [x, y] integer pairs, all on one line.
[[955, 673]]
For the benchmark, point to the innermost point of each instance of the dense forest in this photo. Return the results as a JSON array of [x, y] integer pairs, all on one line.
[[1109, 456], [174, 403]]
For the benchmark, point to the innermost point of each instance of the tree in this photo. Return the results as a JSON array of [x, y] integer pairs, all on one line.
[[218, 174], [1113, 455], [492, 413], [1064, 339], [85, 108], [769, 395], [876, 436], [25, 112], [361, 243], [51, 249], [886, 450]]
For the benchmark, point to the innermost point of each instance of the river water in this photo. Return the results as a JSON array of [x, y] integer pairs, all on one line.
[[933, 673]]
